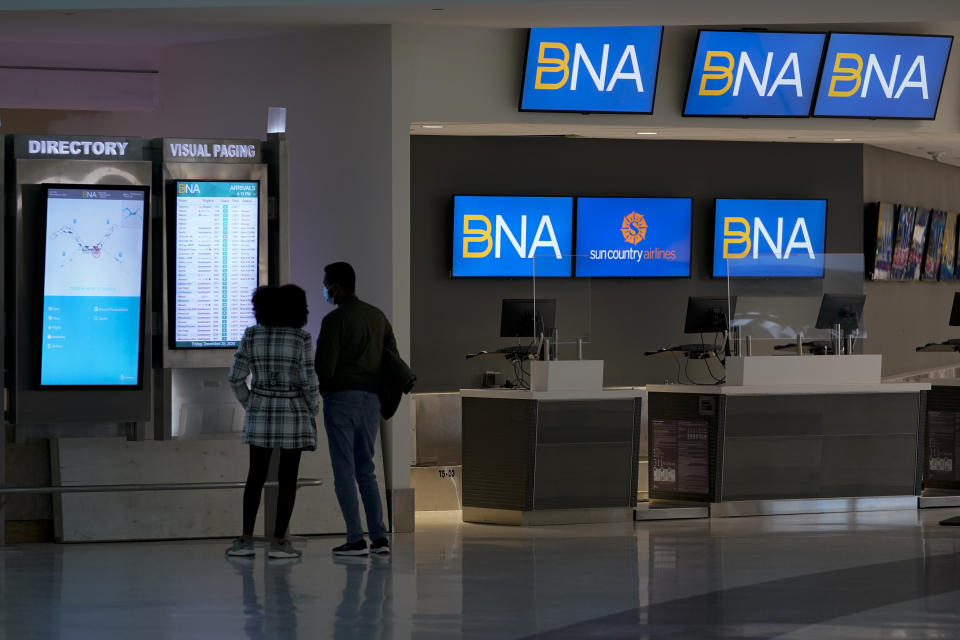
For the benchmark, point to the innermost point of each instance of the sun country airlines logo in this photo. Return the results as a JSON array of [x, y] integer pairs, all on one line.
[[634, 228]]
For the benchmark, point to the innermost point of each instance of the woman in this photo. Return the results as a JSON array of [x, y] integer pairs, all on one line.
[[281, 404]]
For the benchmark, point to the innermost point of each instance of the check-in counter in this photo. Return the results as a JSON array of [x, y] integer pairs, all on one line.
[[787, 448], [941, 450], [550, 457]]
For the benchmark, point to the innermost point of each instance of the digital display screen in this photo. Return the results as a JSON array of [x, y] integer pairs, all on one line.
[[591, 69], [93, 280], [882, 76], [215, 262], [744, 73], [633, 237], [512, 236], [769, 238]]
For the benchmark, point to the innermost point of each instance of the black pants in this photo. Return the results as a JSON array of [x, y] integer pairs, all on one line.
[[287, 476]]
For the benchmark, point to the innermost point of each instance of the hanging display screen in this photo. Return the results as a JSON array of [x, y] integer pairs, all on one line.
[[215, 262], [93, 282]]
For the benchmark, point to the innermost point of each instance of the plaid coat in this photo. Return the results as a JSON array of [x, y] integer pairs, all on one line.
[[284, 396]]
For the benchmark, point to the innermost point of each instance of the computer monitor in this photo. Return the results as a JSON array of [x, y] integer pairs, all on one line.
[[708, 314], [527, 318], [955, 312], [845, 310]]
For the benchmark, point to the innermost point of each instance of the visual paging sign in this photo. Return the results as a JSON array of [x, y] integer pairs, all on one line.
[[591, 69], [746, 73], [633, 237], [882, 76]]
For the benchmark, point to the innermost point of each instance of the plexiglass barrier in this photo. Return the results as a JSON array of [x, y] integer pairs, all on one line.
[[797, 315], [569, 302]]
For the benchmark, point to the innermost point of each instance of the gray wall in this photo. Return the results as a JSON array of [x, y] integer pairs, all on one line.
[[625, 317], [903, 315]]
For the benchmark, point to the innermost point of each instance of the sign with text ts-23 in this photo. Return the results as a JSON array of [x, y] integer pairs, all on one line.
[[512, 236], [591, 69], [882, 76], [744, 73]]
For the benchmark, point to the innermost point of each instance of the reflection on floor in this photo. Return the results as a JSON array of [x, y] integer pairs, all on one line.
[[868, 575]]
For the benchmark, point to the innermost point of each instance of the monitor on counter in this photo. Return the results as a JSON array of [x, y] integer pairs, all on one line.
[[709, 314], [750, 73], [527, 318], [94, 275], [843, 310], [214, 241], [633, 237], [769, 238], [512, 236]]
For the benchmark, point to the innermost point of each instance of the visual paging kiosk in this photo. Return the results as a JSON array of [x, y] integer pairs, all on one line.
[[215, 253]]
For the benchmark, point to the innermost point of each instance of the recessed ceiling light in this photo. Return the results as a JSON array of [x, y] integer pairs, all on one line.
[[646, 133], [432, 126], [843, 139]]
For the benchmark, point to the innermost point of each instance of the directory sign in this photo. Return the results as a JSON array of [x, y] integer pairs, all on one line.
[[512, 236], [93, 281], [746, 73], [215, 262], [633, 237], [882, 76], [591, 69], [772, 238]]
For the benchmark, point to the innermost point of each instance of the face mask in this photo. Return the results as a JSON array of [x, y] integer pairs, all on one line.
[[326, 295]]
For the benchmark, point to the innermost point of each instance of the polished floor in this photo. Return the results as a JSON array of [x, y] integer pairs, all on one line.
[[889, 575]]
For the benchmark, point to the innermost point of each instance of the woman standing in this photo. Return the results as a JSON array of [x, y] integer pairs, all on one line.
[[281, 404]]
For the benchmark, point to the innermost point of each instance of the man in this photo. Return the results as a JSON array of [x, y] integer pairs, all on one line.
[[350, 349]]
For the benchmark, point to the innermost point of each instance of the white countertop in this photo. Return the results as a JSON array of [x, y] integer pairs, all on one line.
[[789, 390], [524, 394]]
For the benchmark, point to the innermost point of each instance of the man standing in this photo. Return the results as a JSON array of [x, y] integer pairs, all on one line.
[[350, 350]]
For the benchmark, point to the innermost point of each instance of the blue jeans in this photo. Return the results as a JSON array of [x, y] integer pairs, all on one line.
[[352, 419]]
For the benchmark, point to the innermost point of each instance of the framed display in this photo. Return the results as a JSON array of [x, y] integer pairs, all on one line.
[[931, 264], [883, 239], [901, 248], [94, 276], [213, 245], [948, 257], [917, 245]]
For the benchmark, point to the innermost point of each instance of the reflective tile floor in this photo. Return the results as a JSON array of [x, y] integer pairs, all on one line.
[[889, 575]]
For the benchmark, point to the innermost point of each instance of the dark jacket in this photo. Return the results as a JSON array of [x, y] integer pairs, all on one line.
[[396, 379], [350, 347]]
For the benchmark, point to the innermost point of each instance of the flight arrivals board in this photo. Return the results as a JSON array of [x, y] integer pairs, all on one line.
[[215, 262], [93, 279]]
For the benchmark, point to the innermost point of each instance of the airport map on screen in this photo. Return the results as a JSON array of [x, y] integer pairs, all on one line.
[[92, 287], [216, 268]]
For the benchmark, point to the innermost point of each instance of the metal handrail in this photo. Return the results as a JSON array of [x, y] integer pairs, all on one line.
[[177, 486]]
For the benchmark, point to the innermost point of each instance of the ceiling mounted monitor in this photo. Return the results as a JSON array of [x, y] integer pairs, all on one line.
[[750, 73], [882, 76], [591, 69]]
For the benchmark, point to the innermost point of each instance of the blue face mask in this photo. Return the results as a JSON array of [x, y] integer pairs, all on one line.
[[326, 295]]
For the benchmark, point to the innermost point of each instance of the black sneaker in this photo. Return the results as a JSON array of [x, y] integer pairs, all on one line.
[[358, 548], [380, 545]]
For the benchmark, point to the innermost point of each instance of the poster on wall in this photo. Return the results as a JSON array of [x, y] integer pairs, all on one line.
[[948, 256], [931, 266], [917, 244], [884, 246], [901, 248], [93, 281]]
